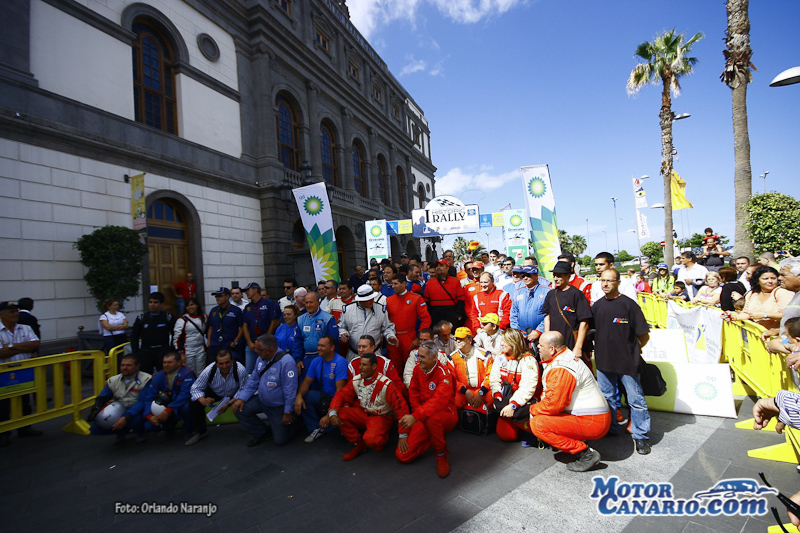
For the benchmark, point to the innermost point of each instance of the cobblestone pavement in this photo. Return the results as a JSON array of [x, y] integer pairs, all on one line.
[[64, 482]]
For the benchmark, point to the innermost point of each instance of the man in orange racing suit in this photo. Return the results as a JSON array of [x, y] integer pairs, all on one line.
[[365, 409], [433, 410], [471, 368]]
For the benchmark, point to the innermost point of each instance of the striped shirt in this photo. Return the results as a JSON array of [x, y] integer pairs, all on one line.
[[221, 386], [789, 405], [22, 333]]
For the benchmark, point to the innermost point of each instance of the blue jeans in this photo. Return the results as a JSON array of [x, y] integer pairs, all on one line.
[[248, 417], [640, 416], [250, 358], [180, 306], [313, 411]]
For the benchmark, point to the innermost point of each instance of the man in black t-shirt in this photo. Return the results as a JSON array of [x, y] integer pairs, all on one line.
[[567, 311], [621, 332]]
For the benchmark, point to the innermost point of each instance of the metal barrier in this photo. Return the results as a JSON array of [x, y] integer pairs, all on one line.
[[30, 377]]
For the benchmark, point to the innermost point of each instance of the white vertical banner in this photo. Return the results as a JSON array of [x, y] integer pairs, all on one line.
[[515, 232], [639, 196], [641, 225], [703, 329], [315, 212], [377, 240], [542, 211]]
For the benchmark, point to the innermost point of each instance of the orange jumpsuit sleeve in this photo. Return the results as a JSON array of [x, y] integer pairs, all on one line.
[[505, 316], [560, 384], [344, 396], [487, 368], [398, 403], [423, 314]]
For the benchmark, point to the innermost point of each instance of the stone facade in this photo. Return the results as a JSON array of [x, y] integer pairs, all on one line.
[[69, 135]]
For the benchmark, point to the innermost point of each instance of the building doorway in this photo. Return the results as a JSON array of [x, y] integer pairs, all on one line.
[[168, 248]]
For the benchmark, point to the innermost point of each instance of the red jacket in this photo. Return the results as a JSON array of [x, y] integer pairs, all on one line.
[[404, 311], [346, 396], [582, 285], [436, 296], [431, 393], [385, 367], [497, 301]]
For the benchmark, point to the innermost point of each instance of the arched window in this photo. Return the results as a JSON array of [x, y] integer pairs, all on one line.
[[401, 189], [288, 127], [165, 220], [383, 175], [359, 169], [421, 192], [330, 167], [153, 78]]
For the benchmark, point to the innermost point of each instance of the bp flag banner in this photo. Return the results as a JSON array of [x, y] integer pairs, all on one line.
[[516, 230], [703, 329], [377, 240], [542, 211], [315, 212], [639, 196]]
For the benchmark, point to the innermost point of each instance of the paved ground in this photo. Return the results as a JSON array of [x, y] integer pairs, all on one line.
[[63, 482]]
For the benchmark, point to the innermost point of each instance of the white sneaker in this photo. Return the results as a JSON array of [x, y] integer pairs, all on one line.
[[316, 434]]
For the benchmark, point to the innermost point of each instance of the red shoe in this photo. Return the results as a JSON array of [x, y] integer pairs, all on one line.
[[442, 465], [620, 418], [357, 450]]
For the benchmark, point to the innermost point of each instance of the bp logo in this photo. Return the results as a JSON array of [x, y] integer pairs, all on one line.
[[376, 231], [313, 205], [705, 391], [516, 220], [536, 187]]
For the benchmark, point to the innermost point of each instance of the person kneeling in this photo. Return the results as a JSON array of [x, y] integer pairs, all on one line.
[[117, 409], [326, 374], [217, 381], [433, 410], [362, 410], [166, 401], [572, 409]]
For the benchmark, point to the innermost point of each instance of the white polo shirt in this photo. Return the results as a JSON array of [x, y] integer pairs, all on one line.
[[21, 333]]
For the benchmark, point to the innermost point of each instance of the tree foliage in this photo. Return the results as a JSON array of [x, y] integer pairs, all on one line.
[[114, 258], [773, 220], [696, 241], [624, 256], [653, 251], [461, 248], [574, 244]]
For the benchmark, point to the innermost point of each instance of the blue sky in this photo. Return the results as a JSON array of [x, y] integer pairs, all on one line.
[[510, 83]]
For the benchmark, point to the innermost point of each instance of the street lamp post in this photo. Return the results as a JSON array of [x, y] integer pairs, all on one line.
[[606, 236], [764, 176], [638, 246], [616, 224]]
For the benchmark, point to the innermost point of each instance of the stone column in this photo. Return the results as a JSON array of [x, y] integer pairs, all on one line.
[[391, 182], [372, 167], [347, 143], [315, 148]]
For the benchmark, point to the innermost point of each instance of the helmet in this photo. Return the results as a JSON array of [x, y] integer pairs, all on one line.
[[156, 408], [109, 415]]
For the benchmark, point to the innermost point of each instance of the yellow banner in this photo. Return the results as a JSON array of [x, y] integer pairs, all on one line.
[[138, 208], [678, 187], [404, 227], [497, 219]]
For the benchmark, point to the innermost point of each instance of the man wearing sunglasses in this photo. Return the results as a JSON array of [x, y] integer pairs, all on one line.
[[526, 311]]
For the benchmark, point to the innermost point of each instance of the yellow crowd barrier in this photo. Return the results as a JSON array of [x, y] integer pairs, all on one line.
[[756, 370], [20, 378]]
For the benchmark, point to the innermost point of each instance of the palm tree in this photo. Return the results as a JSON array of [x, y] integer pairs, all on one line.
[[665, 61], [461, 248], [737, 75]]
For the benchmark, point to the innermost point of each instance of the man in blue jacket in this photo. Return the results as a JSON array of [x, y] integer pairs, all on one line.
[[314, 324], [172, 389], [275, 379], [526, 311]]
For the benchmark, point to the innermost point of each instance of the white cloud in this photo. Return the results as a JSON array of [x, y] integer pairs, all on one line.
[[368, 15], [413, 65], [457, 181], [438, 68]]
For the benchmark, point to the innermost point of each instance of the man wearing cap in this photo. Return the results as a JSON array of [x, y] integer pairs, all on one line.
[[490, 300], [444, 296], [526, 310], [575, 280], [515, 283], [365, 409], [433, 410], [17, 343], [314, 324], [471, 369], [366, 317], [409, 313], [224, 329], [260, 316], [488, 337], [150, 336], [567, 310], [572, 409]]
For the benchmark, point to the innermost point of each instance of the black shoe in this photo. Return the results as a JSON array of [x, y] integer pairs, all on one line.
[[28, 431], [585, 460], [5, 439], [258, 440], [642, 446]]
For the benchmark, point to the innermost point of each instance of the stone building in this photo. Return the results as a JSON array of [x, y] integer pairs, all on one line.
[[226, 105]]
